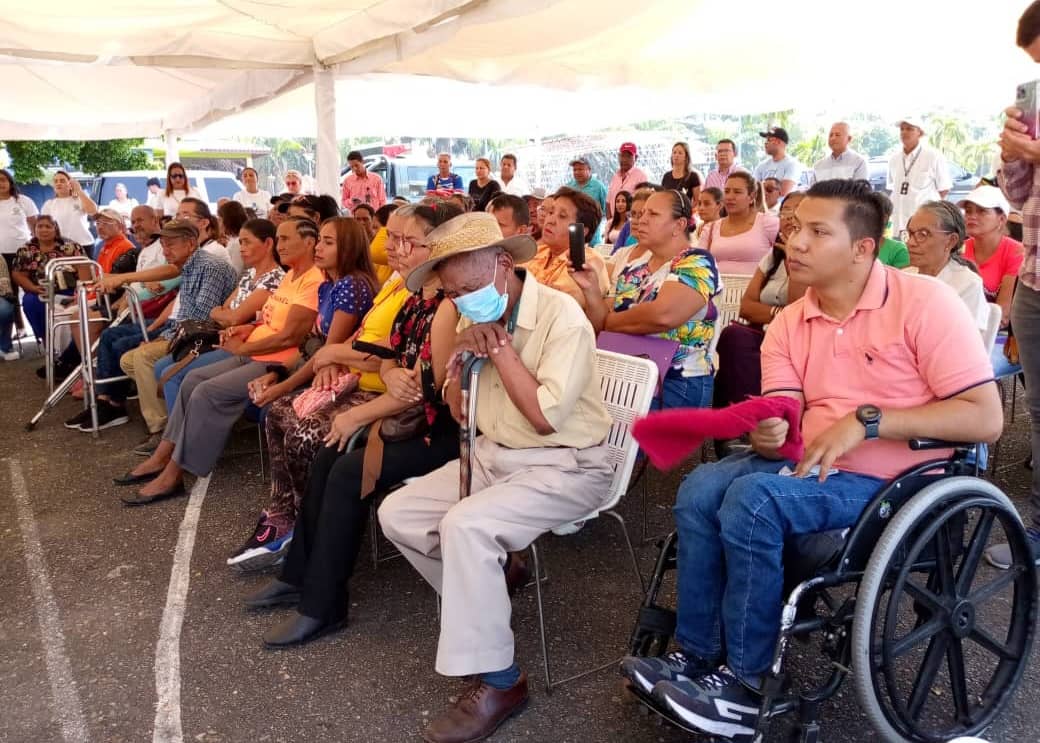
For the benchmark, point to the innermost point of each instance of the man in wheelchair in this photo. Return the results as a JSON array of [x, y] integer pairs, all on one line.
[[876, 357]]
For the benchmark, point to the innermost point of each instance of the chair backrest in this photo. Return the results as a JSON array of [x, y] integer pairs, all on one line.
[[733, 286], [989, 338], [628, 384]]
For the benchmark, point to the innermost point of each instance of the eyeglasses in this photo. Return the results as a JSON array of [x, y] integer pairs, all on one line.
[[400, 241], [922, 235]]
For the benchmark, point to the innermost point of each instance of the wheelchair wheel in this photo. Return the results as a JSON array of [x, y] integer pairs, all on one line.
[[939, 640]]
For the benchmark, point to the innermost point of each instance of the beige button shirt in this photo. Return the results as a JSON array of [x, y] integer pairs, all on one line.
[[557, 345]]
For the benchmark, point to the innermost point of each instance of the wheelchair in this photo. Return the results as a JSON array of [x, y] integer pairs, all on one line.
[[936, 645]]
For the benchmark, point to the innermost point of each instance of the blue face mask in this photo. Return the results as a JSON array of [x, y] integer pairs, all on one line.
[[483, 305]]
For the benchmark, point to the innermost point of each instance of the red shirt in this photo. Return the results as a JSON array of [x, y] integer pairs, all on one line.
[[1005, 261]]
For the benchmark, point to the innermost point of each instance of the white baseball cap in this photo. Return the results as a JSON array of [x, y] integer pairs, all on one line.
[[912, 120], [988, 197]]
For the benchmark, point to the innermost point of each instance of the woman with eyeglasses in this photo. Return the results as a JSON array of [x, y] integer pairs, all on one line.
[[334, 511], [768, 292], [665, 293], [177, 188], [934, 237], [746, 234], [213, 397], [70, 208]]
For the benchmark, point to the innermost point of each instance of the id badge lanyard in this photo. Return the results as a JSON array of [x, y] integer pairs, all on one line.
[[471, 367], [904, 189]]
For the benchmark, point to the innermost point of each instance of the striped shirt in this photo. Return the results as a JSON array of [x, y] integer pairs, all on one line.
[[1020, 182]]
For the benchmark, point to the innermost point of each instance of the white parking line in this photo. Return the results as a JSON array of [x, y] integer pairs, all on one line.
[[168, 651], [67, 708]]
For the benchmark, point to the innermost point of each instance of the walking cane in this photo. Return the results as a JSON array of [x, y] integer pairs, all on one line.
[[471, 366]]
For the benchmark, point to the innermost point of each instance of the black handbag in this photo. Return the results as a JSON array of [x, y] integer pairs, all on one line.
[[197, 336]]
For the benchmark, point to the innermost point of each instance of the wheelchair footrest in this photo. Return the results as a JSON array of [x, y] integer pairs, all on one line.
[[653, 631]]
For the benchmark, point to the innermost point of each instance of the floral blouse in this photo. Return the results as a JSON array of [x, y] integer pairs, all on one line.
[[694, 268], [410, 339], [33, 261]]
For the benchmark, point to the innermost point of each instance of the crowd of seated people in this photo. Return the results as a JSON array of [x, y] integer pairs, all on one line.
[[345, 335]]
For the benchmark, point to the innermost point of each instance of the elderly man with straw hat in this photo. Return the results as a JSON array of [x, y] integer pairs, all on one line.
[[539, 463]]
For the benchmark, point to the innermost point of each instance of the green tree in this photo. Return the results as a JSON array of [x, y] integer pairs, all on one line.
[[29, 158], [875, 142], [808, 151]]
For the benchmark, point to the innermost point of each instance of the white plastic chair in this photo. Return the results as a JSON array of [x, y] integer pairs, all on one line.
[[989, 338], [628, 384], [727, 303]]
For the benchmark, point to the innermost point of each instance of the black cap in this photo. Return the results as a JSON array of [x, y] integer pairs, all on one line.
[[153, 182], [776, 131], [282, 198]]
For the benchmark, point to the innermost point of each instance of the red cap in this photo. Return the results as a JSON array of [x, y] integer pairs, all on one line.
[[630, 148]]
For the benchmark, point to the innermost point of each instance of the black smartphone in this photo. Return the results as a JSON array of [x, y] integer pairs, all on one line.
[[577, 234], [372, 349]]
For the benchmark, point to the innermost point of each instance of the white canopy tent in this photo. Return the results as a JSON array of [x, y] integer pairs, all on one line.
[[485, 67]]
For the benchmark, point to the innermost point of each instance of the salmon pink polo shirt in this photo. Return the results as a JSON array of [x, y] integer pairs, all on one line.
[[907, 343]]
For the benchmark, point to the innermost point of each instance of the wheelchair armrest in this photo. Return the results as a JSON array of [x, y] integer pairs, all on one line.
[[929, 444]]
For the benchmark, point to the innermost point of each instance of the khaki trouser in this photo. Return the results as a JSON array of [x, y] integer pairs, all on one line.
[[459, 547], [139, 364]]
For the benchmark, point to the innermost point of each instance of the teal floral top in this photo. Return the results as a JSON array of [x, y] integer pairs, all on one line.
[[694, 268]]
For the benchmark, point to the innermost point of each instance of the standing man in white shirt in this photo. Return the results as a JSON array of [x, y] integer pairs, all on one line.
[[512, 182], [779, 164], [627, 177], [842, 162], [916, 173]]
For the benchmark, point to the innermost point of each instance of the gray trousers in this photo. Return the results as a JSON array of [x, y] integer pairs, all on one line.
[[459, 547], [210, 400], [1025, 320]]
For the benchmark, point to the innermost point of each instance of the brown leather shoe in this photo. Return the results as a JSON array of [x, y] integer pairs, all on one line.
[[477, 713], [517, 573]]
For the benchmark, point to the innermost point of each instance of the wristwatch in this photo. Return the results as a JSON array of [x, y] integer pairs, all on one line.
[[870, 417]]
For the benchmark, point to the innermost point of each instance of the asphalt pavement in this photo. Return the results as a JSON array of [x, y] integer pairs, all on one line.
[[86, 582]]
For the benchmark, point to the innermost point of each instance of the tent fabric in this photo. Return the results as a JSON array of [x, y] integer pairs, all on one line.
[[75, 70]]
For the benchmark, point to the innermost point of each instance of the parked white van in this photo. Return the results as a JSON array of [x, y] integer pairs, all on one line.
[[212, 185]]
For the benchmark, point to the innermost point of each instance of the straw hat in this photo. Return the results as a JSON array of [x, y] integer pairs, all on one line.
[[467, 233]]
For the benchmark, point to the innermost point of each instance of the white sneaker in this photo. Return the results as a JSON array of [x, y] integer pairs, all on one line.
[[10, 356]]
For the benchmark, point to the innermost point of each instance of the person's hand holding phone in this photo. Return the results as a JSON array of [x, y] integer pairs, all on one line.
[[1015, 142]]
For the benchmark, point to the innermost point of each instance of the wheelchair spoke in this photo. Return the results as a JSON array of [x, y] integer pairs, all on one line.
[[925, 632], [990, 643], [924, 596], [992, 589], [958, 683], [926, 674], [944, 561], [976, 547]]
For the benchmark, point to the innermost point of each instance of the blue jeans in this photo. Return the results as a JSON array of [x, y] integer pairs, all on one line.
[[7, 310], [173, 384], [114, 342], [733, 517], [685, 392], [36, 314], [1001, 366]]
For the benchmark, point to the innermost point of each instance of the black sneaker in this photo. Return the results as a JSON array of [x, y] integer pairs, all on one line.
[[717, 703], [646, 673], [77, 422], [264, 549], [108, 416]]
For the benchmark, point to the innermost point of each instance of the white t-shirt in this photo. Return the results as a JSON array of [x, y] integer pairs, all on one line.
[[234, 254], [774, 290], [170, 203], [14, 225], [72, 220], [968, 286], [517, 187], [259, 201], [123, 207], [787, 169], [151, 256], [926, 174], [155, 200]]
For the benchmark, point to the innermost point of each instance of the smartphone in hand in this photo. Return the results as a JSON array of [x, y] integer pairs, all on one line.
[[1026, 100], [577, 237]]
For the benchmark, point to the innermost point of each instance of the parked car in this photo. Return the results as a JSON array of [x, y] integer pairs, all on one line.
[[406, 176], [963, 181], [211, 184]]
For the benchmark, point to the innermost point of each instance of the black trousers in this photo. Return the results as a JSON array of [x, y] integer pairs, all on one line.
[[332, 519]]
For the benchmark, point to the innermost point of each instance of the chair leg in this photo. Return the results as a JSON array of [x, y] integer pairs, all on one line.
[[631, 551], [260, 449], [373, 534], [541, 617]]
